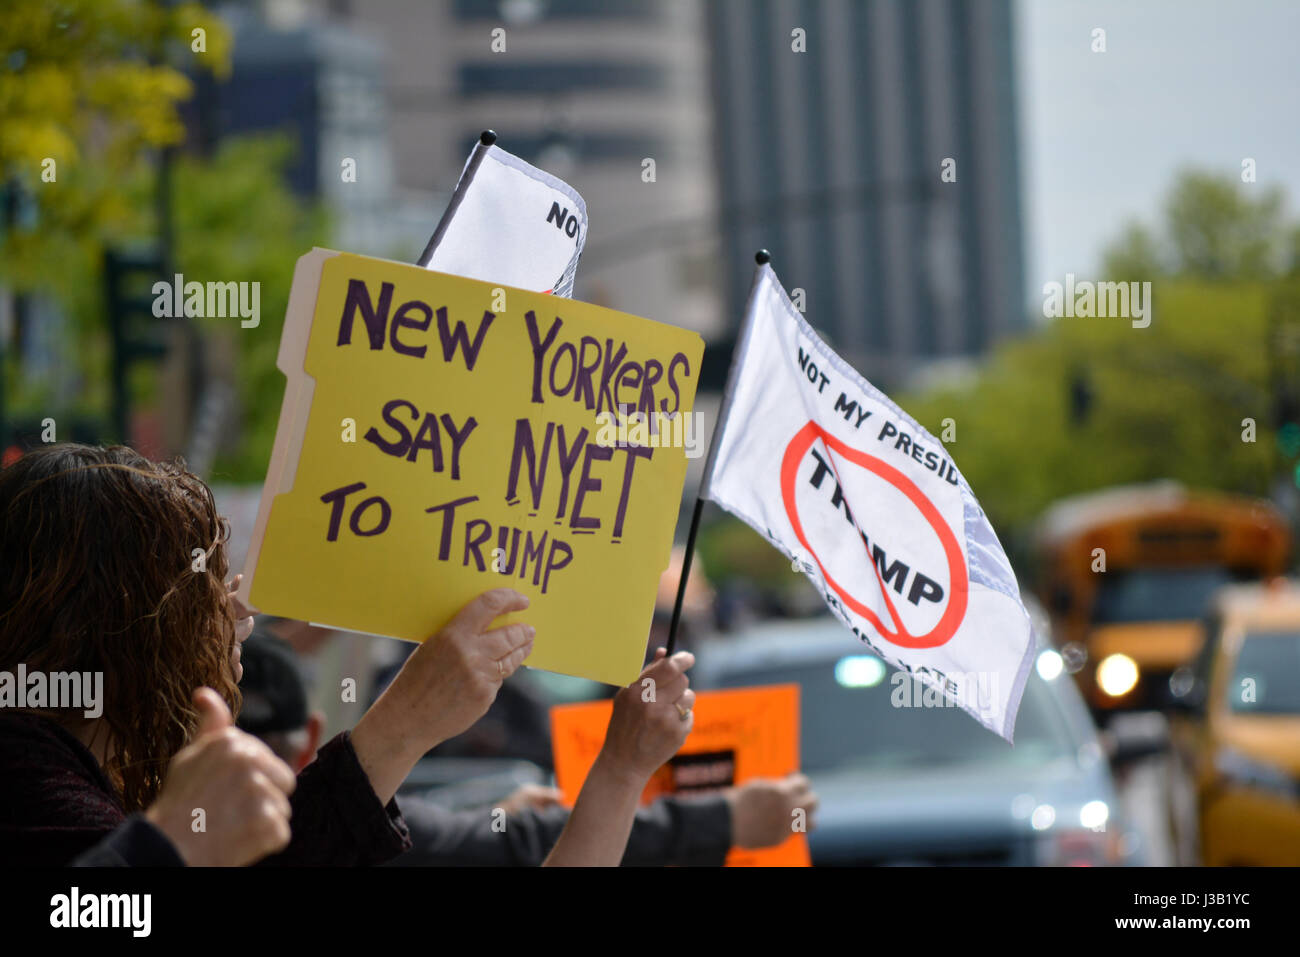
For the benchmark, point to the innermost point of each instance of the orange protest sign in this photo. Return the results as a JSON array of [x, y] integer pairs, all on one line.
[[738, 735]]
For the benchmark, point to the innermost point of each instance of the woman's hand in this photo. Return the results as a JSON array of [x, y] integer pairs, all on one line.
[[531, 797], [445, 686], [240, 786], [763, 809], [243, 626], [651, 719]]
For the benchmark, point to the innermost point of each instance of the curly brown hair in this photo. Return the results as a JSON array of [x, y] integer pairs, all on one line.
[[100, 572]]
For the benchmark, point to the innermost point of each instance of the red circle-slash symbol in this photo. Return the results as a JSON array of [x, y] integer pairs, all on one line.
[[957, 588]]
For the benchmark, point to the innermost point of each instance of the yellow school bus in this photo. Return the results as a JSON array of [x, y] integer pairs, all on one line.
[[1128, 575]]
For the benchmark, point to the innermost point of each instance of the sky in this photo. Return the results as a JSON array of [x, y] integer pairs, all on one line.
[[1182, 83]]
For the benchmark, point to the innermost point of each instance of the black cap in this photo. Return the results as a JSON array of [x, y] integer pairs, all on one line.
[[487, 137], [762, 257], [275, 694]]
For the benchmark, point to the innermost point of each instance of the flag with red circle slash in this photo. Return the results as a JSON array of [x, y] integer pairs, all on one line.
[[872, 508]]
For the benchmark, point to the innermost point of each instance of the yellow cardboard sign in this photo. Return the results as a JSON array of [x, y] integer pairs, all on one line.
[[441, 436]]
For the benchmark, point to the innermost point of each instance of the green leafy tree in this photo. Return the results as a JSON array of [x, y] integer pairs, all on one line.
[[1166, 401], [1214, 228], [96, 85], [236, 218], [89, 92], [90, 86]]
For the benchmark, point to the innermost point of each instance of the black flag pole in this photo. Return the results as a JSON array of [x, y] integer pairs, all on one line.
[[761, 259], [485, 141]]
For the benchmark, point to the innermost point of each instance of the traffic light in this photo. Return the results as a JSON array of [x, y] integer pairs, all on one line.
[[1286, 419], [135, 332], [1081, 397]]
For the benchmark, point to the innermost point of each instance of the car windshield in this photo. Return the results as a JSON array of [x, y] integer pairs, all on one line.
[[1157, 594], [1266, 677], [847, 723]]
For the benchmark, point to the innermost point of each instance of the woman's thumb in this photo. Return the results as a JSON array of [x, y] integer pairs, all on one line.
[[214, 715]]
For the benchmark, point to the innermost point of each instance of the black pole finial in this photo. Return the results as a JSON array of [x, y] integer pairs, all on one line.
[[487, 137], [762, 257]]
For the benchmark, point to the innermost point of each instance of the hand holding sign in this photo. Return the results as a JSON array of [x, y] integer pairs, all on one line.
[[651, 718], [243, 624], [743, 744], [445, 686]]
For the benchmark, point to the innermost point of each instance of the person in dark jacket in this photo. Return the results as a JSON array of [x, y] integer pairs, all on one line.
[[681, 831], [112, 570]]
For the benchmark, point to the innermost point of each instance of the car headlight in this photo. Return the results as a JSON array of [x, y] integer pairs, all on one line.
[[1244, 771], [1050, 664], [1075, 838], [1117, 675], [1094, 815]]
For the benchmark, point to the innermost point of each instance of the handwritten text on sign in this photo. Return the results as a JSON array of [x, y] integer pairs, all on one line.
[[454, 443]]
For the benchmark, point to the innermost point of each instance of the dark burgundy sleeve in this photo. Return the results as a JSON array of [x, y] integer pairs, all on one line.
[[337, 818]]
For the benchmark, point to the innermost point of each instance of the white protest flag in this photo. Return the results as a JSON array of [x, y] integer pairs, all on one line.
[[511, 223], [871, 507]]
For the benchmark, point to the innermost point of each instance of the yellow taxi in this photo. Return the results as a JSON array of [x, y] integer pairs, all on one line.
[[1238, 727]]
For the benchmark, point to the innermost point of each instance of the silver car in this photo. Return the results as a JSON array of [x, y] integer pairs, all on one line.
[[930, 785]]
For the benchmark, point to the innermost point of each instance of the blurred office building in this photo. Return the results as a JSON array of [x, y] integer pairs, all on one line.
[[322, 84], [613, 98], [871, 145], [836, 123]]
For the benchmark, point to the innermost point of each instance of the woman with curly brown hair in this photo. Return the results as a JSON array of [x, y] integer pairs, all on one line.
[[113, 565]]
